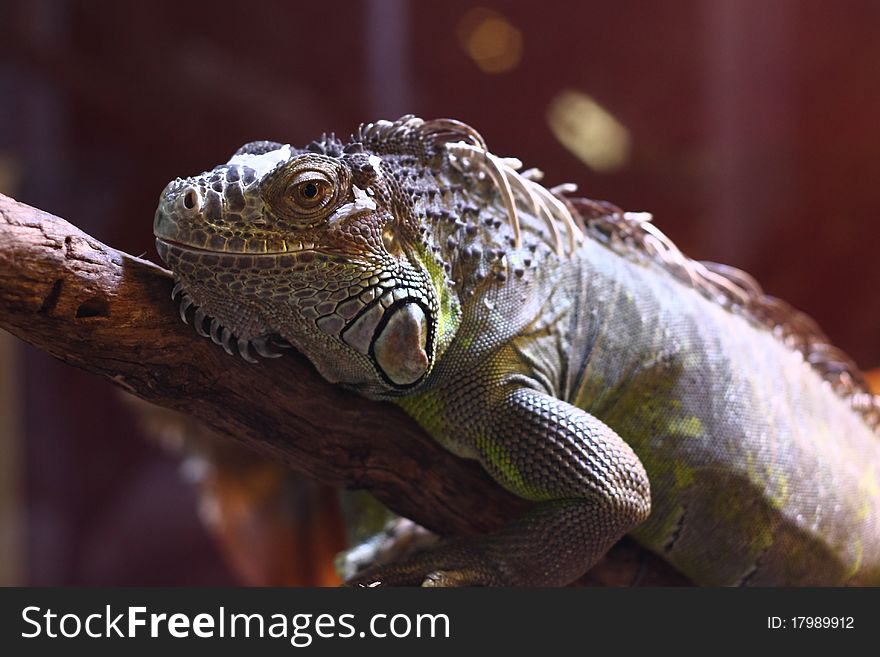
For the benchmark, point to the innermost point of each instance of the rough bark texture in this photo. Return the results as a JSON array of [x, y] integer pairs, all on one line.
[[112, 314]]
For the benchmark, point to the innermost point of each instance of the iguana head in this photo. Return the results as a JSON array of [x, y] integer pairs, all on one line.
[[317, 247]]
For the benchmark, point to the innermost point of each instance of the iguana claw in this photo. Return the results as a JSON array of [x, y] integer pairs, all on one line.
[[454, 563]]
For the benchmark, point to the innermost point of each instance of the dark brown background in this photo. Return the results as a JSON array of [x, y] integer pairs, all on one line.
[[756, 141]]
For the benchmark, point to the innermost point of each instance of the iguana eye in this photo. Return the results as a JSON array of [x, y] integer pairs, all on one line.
[[308, 188]]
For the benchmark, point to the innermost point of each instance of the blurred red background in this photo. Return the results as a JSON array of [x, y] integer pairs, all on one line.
[[750, 130]]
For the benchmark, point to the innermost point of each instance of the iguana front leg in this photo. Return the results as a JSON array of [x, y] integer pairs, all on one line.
[[590, 486]]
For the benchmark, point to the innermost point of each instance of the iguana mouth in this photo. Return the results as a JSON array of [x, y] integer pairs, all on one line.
[[181, 246], [164, 244]]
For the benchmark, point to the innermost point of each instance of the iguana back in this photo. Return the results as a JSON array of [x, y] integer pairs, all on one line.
[[749, 452]]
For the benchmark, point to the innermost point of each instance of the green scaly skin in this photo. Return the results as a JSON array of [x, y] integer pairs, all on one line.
[[575, 378]]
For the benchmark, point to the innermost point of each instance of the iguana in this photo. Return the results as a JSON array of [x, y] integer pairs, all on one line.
[[566, 345]]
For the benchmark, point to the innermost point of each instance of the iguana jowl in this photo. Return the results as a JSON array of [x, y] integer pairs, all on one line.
[[566, 345]]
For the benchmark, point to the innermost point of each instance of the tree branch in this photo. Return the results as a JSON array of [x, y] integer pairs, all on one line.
[[112, 314]]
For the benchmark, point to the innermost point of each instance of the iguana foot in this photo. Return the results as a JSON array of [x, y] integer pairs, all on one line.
[[451, 564], [400, 539]]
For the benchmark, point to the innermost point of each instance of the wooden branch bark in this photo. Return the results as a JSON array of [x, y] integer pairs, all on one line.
[[110, 313]]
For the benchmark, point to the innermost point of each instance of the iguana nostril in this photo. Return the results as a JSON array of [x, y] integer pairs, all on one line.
[[190, 199]]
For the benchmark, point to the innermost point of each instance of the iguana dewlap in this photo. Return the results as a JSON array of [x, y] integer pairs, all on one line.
[[568, 346]]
